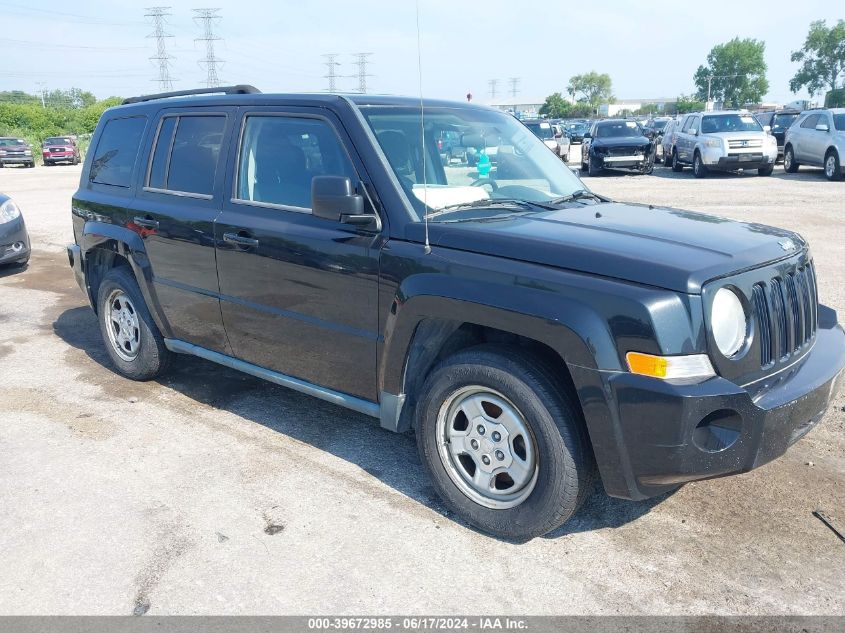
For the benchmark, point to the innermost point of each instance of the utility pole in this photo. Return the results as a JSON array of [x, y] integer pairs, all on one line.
[[207, 18], [158, 15], [514, 83], [362, 71], [492, 83], [41, 91], [332, 66]]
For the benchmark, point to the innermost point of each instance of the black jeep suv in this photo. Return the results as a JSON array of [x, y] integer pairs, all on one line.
[[530, 332]]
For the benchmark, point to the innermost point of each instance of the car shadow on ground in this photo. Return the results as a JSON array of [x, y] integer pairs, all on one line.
[[392, 458], [7, 270]]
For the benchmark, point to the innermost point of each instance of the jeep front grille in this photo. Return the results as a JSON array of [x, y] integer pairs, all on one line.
[[786, 313]]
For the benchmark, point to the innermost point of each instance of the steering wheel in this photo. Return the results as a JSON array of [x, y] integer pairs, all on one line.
[[486, 181]]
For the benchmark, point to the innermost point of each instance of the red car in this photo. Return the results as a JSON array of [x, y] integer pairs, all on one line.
[[60, 149]]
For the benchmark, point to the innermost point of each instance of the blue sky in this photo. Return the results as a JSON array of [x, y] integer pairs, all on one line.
[[650, 49]]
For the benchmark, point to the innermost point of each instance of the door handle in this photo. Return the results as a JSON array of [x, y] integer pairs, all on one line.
[[240, 239], [147, 223]]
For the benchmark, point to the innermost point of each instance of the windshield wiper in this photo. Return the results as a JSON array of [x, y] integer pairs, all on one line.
[[528, 205], [578, 194]]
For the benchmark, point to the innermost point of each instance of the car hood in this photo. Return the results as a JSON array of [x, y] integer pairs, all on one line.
[[736, 135], [668, 248]]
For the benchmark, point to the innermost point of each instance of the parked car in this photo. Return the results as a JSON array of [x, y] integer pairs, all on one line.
[[563, 143], [555, 141], [451, 148], [817, 138], [60, 149], [528, 329], [576, 131], [14, 239], [616, 144], [15, 151], [667, 141], [778, 122], [724, 141], [653, 129]]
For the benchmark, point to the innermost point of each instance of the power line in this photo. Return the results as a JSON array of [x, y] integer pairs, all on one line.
[[332, 66], [514, 83], [493, 83], [162, 58], [361, 63], [208, 17]]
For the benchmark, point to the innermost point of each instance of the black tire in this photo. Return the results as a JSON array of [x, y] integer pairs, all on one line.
[[152, 356], [790, 165], [698, 168], [565, 466], [48, 163], [31, 165], [592, 170], [832, 166], [676, 165], [766, 171]]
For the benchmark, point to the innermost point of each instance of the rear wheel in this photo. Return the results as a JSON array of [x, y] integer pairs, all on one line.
[[504, 447], [676, 165], [698, 168], [132, 338], [790, 165], [832, 168], [766, 171]]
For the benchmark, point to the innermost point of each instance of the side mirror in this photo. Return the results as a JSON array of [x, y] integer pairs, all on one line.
[[823, 127], [333, 198], [693, 131], [767, 128]]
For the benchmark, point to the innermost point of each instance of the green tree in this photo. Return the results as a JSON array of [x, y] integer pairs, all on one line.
[[735, 72], [555, 106], [686, 104], [822, 57], [592, 88]]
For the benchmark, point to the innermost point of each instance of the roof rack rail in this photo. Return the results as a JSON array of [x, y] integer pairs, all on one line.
[[241, 89]]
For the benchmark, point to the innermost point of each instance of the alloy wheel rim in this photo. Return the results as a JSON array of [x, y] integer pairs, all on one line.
[[122, 325], [830, 166], [487, 448]]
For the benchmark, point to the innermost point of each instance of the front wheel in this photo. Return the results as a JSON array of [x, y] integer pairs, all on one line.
[[766, 171], [132, 338], [503, 445], [698, 168], [593, 169], [832, 168]]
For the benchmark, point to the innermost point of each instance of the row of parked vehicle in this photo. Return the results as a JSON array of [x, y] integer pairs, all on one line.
[[730, 141], [54, 150]]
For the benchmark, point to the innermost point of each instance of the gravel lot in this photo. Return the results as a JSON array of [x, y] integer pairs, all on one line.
[[212, 492]]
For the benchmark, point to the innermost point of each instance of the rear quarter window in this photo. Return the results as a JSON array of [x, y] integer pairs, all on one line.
[[117, 151]]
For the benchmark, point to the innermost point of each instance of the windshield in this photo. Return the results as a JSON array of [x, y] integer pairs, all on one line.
[[783, 121], [658, 125], [839, 122], [615, 129], [504, 161], [730, 123], [57, 140], [6, 142], [541, 130], [578, 127]]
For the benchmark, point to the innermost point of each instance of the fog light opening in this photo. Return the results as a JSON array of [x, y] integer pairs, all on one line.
[[17, 247], [718, 431]]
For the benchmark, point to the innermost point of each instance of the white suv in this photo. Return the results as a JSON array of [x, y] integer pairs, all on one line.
[[816, 138], [724, 141]]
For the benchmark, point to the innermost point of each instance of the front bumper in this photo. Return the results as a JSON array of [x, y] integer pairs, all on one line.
[[14, 242], [59, 157], [16, 160], [715, 158], [633, 161], [650, 436]]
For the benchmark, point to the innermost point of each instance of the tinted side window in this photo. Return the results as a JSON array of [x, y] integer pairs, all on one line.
[[811, 121], [188, 162], [116, 151], [280, 155]]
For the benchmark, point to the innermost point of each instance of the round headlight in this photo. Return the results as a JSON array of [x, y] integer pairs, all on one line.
[[8, 212], [729, 323]]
